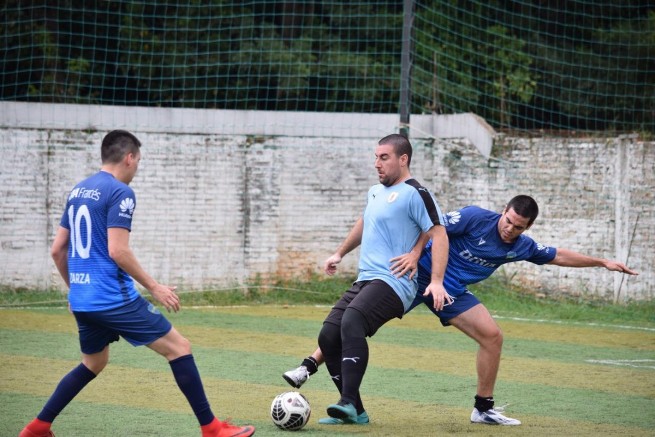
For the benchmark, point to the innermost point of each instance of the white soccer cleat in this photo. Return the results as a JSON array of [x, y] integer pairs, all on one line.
[[492, 417], [296, 377]]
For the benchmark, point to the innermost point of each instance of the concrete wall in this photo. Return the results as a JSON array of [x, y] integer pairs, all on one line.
[[217, 209]]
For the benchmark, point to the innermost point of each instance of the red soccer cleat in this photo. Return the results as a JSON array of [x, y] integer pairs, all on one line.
[[26, 432], [37, 428], [225, 429]]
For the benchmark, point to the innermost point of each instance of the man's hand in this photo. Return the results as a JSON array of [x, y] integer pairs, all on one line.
[[439, 295], [330, 265], [166, 296], [405, 263], [616, 266]]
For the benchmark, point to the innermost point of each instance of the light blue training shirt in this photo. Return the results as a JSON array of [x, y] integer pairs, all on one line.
[[394, 218]]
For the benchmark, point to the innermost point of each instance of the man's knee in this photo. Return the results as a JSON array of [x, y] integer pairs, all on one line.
[[180, 347], [491, 338], [497, 336], [184, 346], [96, 362], [171, 346], [329, 339], [354, 324]]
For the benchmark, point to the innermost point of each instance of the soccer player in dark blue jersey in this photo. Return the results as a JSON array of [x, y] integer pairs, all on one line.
[[91, 252], [398, 211], [480, 241]]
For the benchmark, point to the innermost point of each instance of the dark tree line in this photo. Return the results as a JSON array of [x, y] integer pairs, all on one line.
[[517, 63]]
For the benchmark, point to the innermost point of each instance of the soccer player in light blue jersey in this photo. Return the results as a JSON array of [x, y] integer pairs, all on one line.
[[398, 211], [480, 241], [91, 252]]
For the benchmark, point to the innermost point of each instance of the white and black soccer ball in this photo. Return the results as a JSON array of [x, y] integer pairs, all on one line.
[[290, 411]]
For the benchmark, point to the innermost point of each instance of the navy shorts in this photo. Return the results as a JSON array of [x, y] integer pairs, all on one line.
[[375, 299], [461, 304], [139, 322]]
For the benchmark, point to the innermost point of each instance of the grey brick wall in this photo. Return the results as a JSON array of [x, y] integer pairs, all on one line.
[[215, 210]]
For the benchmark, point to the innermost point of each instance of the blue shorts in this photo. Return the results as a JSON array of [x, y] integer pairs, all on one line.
[[461, 304], [139, 322]]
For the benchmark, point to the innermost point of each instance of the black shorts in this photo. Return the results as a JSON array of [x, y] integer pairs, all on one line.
[[375, 299]]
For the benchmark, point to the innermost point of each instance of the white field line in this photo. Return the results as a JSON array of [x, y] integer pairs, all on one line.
[[518, 319], [562, 322], [644, 364], [640, 363]]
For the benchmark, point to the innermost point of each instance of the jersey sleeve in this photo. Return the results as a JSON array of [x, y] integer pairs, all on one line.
[[540, 254], [64, 222], [426, 211], [121, 208], [458, 222], [65, 219], [370, 193]]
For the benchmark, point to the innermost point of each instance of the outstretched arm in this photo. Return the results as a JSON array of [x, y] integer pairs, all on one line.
[[353, 239], [569, 258]]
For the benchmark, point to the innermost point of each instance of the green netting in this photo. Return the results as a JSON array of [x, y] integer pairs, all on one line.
[[587, 65], [583, 65]]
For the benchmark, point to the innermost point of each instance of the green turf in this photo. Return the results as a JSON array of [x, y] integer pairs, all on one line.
[[420, 374], [501, 296]]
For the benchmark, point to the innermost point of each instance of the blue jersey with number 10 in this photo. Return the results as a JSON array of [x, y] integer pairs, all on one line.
[[94, 205]]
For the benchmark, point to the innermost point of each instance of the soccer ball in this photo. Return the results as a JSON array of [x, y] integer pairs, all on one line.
[[290, 411]]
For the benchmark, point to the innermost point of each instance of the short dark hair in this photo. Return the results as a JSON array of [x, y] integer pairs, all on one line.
[[118, 143], [401, 145], [525, 206]]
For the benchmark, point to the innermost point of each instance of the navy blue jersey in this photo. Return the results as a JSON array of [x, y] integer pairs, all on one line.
[[476, 250], [94, 205], [394, 218]]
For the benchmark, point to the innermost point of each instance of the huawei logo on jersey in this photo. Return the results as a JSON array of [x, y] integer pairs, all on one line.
[[453, 217], [127, 207]]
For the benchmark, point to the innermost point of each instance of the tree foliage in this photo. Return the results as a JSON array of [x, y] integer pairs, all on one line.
[[515, 63]]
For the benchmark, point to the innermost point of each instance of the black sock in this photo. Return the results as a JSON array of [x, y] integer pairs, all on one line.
[[353, 367], [329, 340], [354, 354], [188, 380], [484, 404], [311, 364], [69, 386]]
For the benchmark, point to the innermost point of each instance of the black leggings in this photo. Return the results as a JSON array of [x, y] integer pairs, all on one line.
[[329, 340]]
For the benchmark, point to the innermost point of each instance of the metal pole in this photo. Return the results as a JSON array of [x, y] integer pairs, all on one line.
[[406, 67]]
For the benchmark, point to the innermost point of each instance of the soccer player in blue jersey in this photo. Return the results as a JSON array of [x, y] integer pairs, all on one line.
[[480, 242], [397, 212], [91, 252]]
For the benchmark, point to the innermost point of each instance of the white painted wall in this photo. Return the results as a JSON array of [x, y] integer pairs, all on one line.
[[226, 196]]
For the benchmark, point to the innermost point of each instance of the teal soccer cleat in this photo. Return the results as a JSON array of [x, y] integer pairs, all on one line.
[[362, 419]]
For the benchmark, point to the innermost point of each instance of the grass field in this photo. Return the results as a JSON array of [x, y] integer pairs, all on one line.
[[561, 377]]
